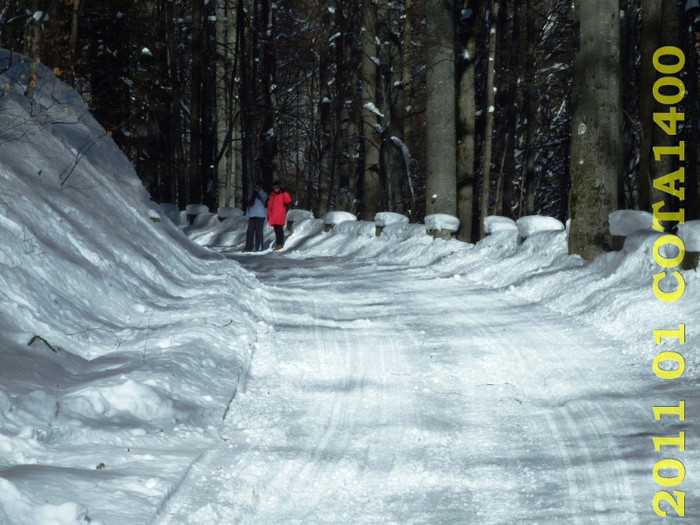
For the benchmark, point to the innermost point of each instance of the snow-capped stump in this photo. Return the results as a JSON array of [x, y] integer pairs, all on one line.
[[537, 223], [193, 210], [690, 234], [385, 218], [332, 218], [154, 215], [441, 225], [225, 212], [624, 223], [171, 211], [496, 223], [296, 216]]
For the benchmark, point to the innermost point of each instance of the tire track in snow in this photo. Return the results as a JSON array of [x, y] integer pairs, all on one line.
[[387, 395]]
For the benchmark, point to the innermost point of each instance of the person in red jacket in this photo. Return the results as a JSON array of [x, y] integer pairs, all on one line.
[[277, 205]]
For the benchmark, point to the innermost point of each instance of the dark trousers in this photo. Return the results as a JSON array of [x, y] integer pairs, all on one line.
[[279, 235], [254, 235]]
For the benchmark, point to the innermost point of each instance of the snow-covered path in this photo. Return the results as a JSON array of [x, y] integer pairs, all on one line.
[[382, 394]]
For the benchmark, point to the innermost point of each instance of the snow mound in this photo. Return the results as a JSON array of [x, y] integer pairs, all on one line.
[[626, 222], [385, 218], [176, 216], [441, 221], [128, 401], [337, 217], [690, 234], [114, 327], [16, 507], [496, 223], [538, 223], [224, 212], [299, 215]]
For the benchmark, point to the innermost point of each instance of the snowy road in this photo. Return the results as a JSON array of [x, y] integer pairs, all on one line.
[[382, 394]]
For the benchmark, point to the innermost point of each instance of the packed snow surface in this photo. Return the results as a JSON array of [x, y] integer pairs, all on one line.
[[153, 374]]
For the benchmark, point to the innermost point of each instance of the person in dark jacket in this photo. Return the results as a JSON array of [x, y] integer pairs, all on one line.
[[277, 205], [256, 212]]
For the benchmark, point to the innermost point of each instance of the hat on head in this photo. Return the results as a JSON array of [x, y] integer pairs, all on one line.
[[276, 183]]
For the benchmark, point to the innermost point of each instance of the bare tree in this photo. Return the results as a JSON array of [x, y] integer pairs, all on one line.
[[441, 145], [370, 118], [466, 115], [490, 114], [596, 143]]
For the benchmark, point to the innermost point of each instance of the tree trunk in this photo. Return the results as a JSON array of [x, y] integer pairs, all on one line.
[[226, 165], [324, 139], [490, 114], [268, 139], [407, 101], [441, 142], [690, 43], [649, 43], [195, 175], [466, 114], [248, 94], [73, 44], [527, 186], [596, 142], [372, 184], [175, 124]]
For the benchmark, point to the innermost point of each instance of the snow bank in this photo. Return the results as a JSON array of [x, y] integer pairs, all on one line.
[[613, 292], [18, 508], [119, 337]]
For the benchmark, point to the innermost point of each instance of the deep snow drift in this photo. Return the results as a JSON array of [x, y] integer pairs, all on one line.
[[123, 343]]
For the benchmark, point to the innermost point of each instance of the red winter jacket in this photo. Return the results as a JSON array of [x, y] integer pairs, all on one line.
[[277, 207]]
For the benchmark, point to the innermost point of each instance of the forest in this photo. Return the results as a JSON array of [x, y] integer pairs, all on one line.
[[463, 107]]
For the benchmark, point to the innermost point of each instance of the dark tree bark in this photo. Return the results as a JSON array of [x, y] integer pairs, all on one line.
[[441, 151], [596, 149]]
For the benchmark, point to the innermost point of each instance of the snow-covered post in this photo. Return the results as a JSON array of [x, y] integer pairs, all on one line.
[[537, 223], [224, 212], [689, 232], [195, 209], [154, 215], [496, 223], [332, 218], [172, 212], [296, 215], [624, 223], [386, 217], [441, 225]]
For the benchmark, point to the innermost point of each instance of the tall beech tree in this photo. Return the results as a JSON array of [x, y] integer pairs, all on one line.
[[371, 123], [441, 141], [466, 120], [490, 103], [596, 136]]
